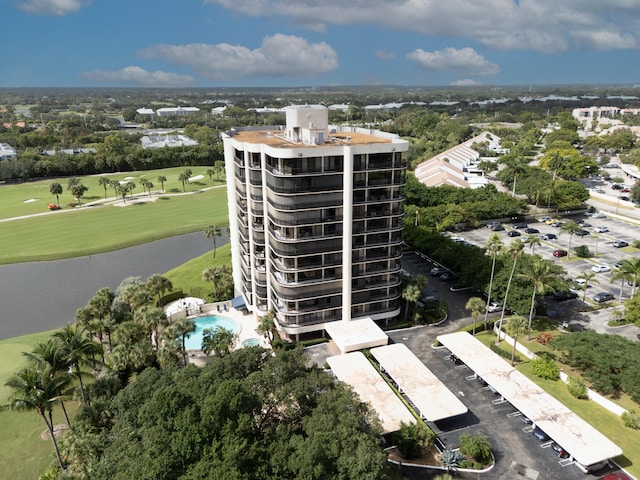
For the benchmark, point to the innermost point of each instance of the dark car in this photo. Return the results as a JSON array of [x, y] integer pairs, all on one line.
[[557, 224], [561, 452], [559, 253], [531, 231], [616, 186], [520, 225], [540, 435], [437, 271], [620, 244], [549, 236], [562, 295], [513, 233], [497, 228], [602, 297], [448, 277], [624, 197], [580, 232]]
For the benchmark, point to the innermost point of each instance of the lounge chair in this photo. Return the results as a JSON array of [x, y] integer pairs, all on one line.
[[225, 308]]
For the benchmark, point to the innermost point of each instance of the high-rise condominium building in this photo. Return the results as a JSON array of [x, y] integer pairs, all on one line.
[[315, 214]]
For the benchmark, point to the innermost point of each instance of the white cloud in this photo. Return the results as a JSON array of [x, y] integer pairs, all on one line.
[[467, 82], [53, 7], [541, 25], [134, 75], [278, 56], [461, 61], [384, 55]]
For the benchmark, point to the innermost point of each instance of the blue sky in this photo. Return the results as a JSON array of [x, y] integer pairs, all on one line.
[[244, 43]]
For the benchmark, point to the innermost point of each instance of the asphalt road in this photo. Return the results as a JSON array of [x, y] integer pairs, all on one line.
[[38, 296]]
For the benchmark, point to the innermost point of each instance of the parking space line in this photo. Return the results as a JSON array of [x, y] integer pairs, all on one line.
[[565, 462]]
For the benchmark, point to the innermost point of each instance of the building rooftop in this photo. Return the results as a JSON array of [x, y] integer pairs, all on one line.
[[275, 138]]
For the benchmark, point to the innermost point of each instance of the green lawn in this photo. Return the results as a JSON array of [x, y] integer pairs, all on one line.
[[32, 197], [23, 454], [105, 228], [188, 277]]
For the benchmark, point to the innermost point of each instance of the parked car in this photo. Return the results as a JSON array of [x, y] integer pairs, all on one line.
[[620, 244], [544, 219], [437, 271], [624, 197], [580, 282], [625, 190], [497, 228], [448, 277], [490, 225], [551, 220], [598, 215], [616, 476], [617, 186], [540, 435], [601, 229], [494, 306], [602, 297], [525, 419], [531, 231], [514, 233], [562, 295], [601, 268], [520, 225], [618, 264], [548, 236], [561, 452], [583, 223], [581, 232], [560, 253], [557, 224]]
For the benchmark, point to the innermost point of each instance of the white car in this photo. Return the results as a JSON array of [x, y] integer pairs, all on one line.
[[494, 306], [601, 229], [600, 268], [598, 215]]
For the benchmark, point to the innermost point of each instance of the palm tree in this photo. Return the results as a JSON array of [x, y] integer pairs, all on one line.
[[540, 277], [56, 189], [104, 182], [212, 231], [214, 275], [515, 249], [115, 184], [181, 330], [266, 326], [494, 245], [50, 359], [533, 241], [515, 326], [632, 268], [184, 178], [79, 351], [589, 278], [159, 284], [162, 179], [570, 228], [210, 173], [475, 305], [31, 390], [623, 277], [411, 294], [152, 318]]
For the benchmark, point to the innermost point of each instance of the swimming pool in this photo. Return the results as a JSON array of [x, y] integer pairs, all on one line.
[[194, 342], [251, 342]]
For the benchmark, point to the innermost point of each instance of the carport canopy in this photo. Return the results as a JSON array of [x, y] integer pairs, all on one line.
[[352, 335], [354, 369], [583, 442], [429, 395]]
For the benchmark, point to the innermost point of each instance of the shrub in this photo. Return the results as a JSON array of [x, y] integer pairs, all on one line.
[[583, 251], [544, 338], [545, 367], [631, 419], [170, 297], [577, 388], [412, 439], [477, 447], [635, 244]]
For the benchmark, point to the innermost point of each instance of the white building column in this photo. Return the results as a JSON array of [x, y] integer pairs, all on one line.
[[347, 233], [234, 234]]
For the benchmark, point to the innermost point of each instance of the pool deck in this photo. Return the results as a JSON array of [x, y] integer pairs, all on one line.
[[193, 308]]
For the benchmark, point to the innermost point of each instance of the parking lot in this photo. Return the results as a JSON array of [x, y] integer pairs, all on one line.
[[519, 454]]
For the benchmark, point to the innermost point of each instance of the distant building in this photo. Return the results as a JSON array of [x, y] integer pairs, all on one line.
[[145, 111], [218, 110], [68, 151], [7, 152], [177, 111], [162, 141], [458, 166]]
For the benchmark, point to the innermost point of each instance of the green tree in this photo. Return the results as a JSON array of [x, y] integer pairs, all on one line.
[[412, 440], [159, 285], [218, 166], [570, 228], [589, 278], [631, 268], [210, 173], [212, 231], [532, 241], [267, 327], [78, 190], [540, 277], [493, 247], [79, 351], [33, 391], [56, 189], [220, 341], [104, 182], [477, 447], [180, 331], [475, 305], [162, 179], [514, 251], [515, 326], [411, 295], [184, 177]]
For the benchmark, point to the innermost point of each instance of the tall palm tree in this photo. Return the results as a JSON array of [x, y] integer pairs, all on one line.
[[411, 294], [181, 330], [540, 277], [104, 182], [31, 390], [589, 278], [152, 318], [532, 241], [515, 327], [623, 277], [631, 267], [50, 359], [570, 228], [514, 251], [56, 189], [162, 179], [266, 326], [79, 350], [159, 284], [493, 247], [212, 231], [475, 305], [184, 177]]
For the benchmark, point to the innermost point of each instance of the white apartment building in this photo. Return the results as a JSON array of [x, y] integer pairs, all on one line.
[[315, 215], [7, 152]]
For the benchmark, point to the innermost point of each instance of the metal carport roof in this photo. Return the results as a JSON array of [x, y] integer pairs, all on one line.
[[583, 442]]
